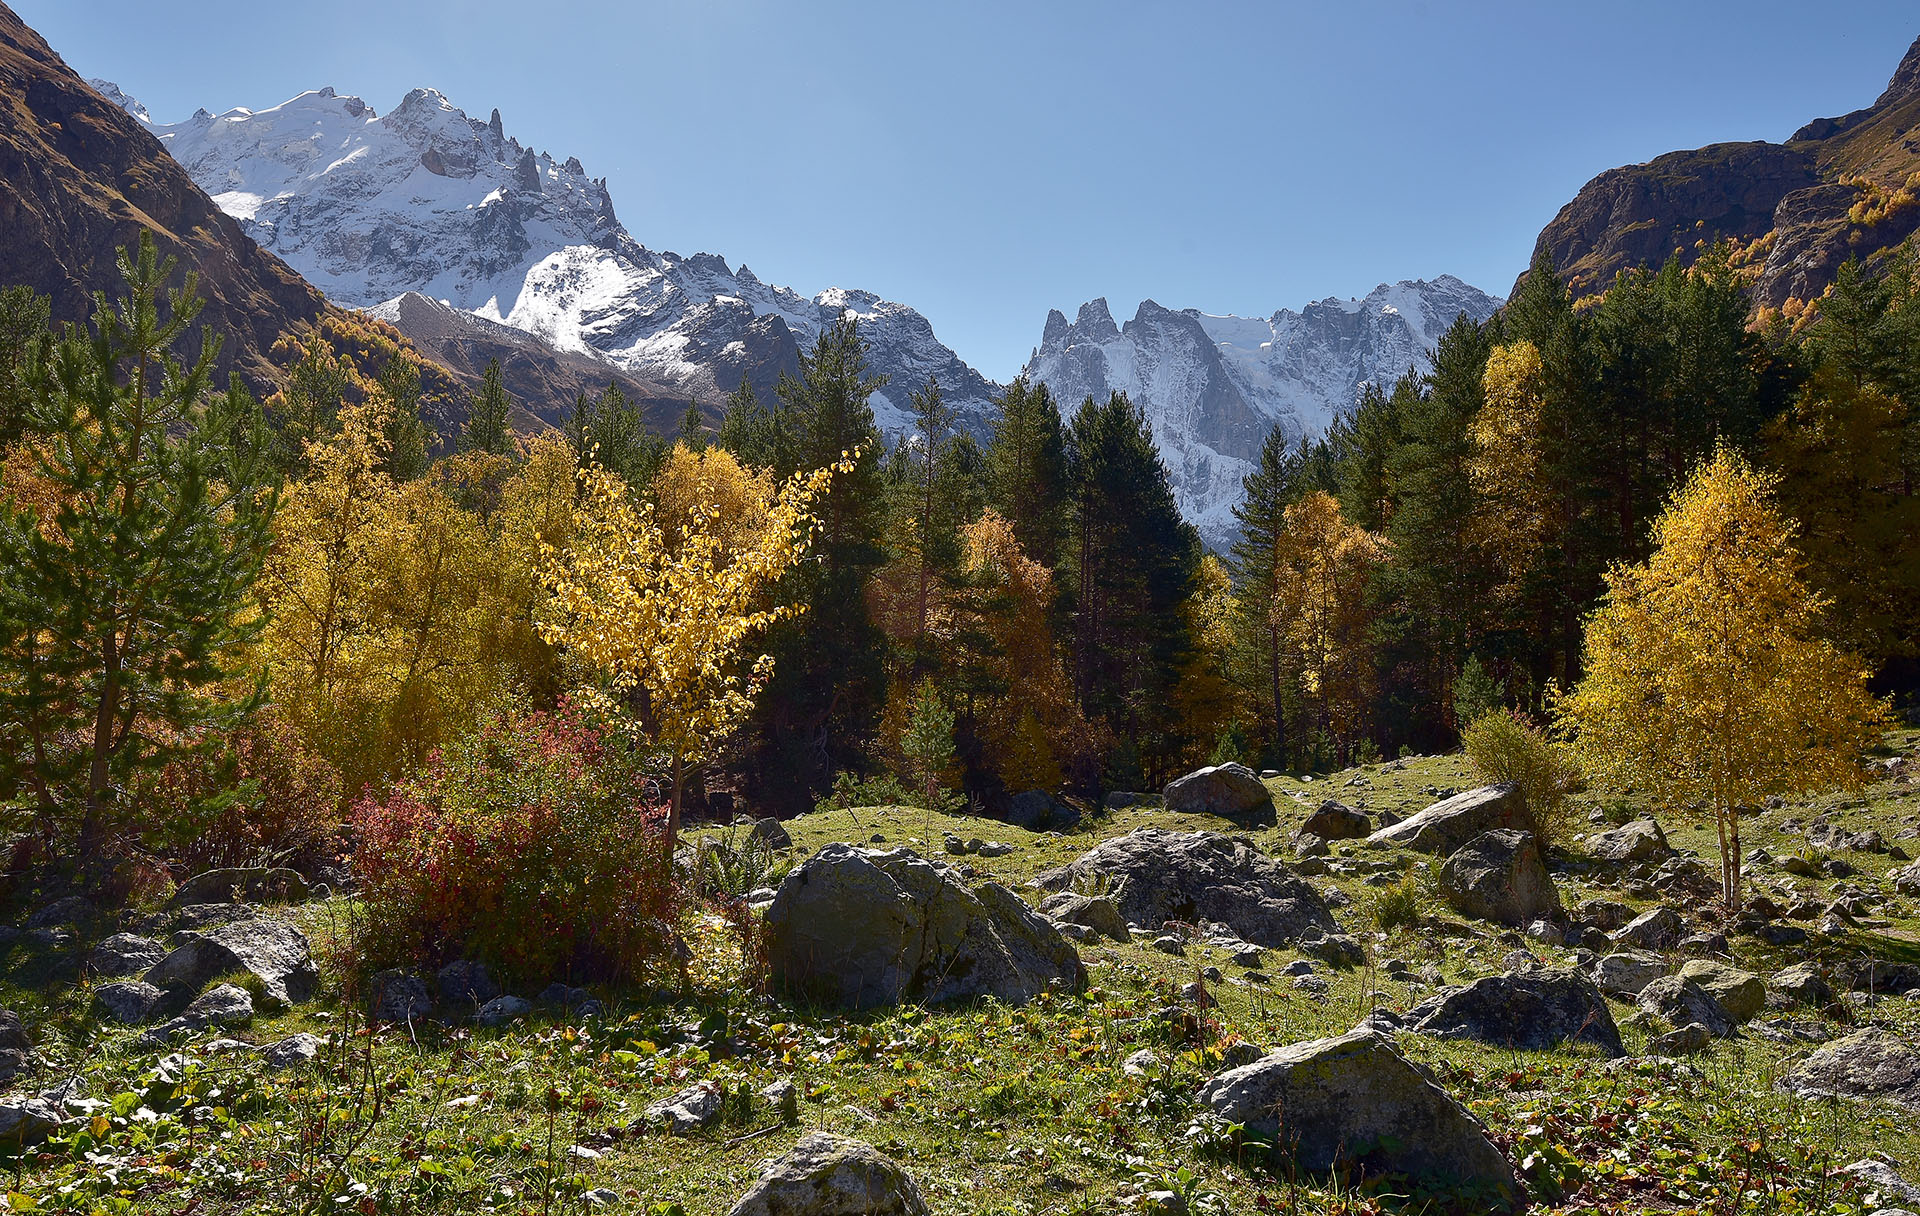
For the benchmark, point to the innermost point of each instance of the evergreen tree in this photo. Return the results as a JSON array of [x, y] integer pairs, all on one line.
[[1276, 483], [24, 314], [758, 435], [609, 431], [308, 409], [1027, 469], [693, 427], [828, 680], [487, 411], [1363, 444], [409, 439], [1132, 562], [124, 613]]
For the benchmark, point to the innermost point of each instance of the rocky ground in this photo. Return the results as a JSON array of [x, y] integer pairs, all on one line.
[[1150, 1008]]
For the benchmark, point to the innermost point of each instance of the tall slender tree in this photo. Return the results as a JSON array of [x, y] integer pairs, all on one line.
[[486, 429]]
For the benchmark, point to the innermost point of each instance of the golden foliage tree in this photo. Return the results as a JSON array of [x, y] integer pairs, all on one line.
[[665, 620], [1323, 567], [1507, 468], [1207, 699], [1024, 706], [1708, 676]]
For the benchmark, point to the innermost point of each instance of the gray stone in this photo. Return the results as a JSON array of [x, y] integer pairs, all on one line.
[[1681, 1001], [1626, 974], [1639, 841], [1500, 876], [399, 996], [1354, 1101], [829, 1175], [127, 1001], [292, 1051], [1451, 822], [1801, 984], [503, 1009], [1337, 821], [242, 884], [1168, 943], [467, 983], [783, 1098], [124, 954], [1157, 876], [1907, 880], [1231, 791], [272, 951], [1604, 914], [687, 1111], [1095, 913], [223, 1005], [1534, 1009], [1741, 993], [1685, 1041], [1039, 811], [1659, 929], [1868, 1064], [27, 1121], [66, 912], [769, 834], [854, 927], [1880, 1177]]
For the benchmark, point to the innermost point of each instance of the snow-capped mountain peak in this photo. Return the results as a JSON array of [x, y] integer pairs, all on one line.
[[428, 199], [1213, 386]]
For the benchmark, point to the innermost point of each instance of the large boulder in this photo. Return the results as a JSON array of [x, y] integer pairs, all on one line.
[[1625, 974], [272, 951], [1336, 821], [124, 954], [1682, 1002], [855, 927], [242, 884], [1093, 912], [1232, 791], [1534, 1009], [829, 1175], [1155, 876], [1741, 993], [1334, 1104], [1801, 984], [1870, 1064], [1500, 876], [1638, 841], [1039, 811], [1659, 929], [1450, 823]]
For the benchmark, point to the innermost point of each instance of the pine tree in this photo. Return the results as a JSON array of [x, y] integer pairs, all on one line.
[[693, 427], [24, 314], [608, 431], [1275, 484], [486, 429], [1132, 563], [409, 438], [1027, 469], [124, 612]]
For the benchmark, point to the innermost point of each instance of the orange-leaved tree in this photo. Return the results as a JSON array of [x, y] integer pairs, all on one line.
[[662, 610], [1708, 678], [1323, 566]]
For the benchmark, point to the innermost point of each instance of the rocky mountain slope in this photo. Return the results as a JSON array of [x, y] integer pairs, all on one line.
[[426, 200], [1213, 386], [1838, 187], [80, 177]]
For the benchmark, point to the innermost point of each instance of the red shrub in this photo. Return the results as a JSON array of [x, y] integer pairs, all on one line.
[[526, 845]]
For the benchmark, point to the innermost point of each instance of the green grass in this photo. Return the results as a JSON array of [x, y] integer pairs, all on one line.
[[994, 1110]]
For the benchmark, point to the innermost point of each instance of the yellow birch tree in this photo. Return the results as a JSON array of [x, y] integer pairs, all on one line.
[[1708, 679]]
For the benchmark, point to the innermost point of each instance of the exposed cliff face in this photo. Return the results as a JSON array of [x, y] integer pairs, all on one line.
[[1214, 386], [1794, 211], [80, 177], [426, 200]]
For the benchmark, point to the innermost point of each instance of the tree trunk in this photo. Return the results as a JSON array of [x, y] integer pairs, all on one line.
[[673, 807]]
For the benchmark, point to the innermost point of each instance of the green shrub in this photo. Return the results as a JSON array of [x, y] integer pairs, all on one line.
[[526, 845], [1506, 747], [1399, 905]]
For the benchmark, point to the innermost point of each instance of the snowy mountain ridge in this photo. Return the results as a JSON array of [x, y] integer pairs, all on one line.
[[1213, 386], [425, 199]]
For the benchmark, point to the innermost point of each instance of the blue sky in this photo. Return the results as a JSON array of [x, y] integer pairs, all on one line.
[[986, 161]]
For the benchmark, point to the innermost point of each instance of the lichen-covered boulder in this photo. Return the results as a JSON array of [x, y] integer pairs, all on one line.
[[1336, 821], [1871, 1064], [829, 1175], [127, 1001], [1625, 974], [242, 884], [1499, 876], [856, 928], [1534, 1009], [1638, 841], [272, 951], [1451, 822], [1682, 1002], [1232, 791], [1741, 993], [1155, 876], [1097, 913], [1354, 1101], [124, 954]]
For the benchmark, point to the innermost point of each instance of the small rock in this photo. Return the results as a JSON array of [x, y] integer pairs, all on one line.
[[127, 1001], [1635, 842], [1169, 944], [1685, 1041], [783, 1098], [27, 1121], [1681, 1001], [1655, 930], [242, 884], [466, 982], [293, 1050], [829, 1175], [1098, 914], [124, 954], [1534, 1009], [503, 1009], [769, 834], [1228, 790], [689, 1110], [1627, 974], [67, 912], [1337, 821], [1802, 984], [1741, 993], [399, 996]]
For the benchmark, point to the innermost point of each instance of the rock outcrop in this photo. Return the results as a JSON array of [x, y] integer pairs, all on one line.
[[1499, 876], [1451, 822], [1534, 1009]]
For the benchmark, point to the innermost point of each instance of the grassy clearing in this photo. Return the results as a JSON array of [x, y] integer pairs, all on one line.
[[994, 1110]]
